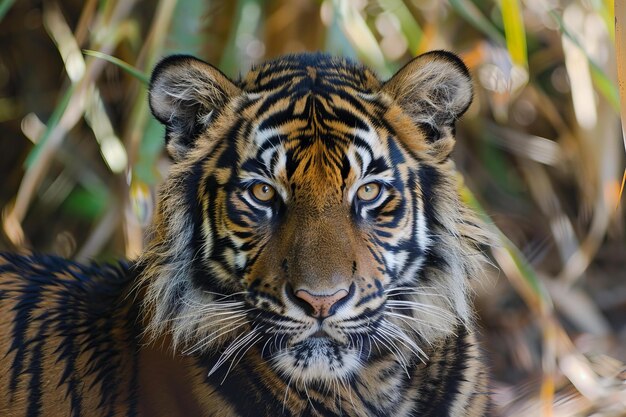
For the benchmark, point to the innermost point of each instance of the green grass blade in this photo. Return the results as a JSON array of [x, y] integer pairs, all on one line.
[[606, 9], [144, 78], [605, 86], [514, 31], [5, 5], [474, 17], [88, 204], [408, 25]]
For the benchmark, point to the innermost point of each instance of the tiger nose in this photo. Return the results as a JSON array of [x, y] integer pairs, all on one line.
[[321, 305]]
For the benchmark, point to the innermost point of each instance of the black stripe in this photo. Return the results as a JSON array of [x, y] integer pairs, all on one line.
[[437, 394], [455, 375], [35, 369], [68, 352], [29, 299]]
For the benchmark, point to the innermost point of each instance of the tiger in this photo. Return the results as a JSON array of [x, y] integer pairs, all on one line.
[[310, 255]]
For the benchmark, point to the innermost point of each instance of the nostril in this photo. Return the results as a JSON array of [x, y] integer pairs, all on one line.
[[343, 300], [291, 294], [320, 305]]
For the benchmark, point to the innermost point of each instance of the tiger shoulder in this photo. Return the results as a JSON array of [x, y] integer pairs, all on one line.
[[309, 256]]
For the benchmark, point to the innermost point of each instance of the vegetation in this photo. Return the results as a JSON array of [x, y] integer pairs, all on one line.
[[540, 149]]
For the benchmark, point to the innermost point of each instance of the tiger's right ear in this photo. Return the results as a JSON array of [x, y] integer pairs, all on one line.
[[184, 94]]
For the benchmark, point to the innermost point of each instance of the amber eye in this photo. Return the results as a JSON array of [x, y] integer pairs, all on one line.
[[263, 192], [369, 191]]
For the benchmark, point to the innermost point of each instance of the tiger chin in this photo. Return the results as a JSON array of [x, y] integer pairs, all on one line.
[[310, 256]]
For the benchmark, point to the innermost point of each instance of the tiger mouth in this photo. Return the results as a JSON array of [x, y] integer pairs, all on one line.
[[318, 340], [320, 334]]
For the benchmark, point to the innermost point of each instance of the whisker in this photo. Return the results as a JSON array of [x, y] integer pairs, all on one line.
[[429, 294], [308, 397], [214, 305], [196, 347], [241, 355], [426, 308], [347, 388], [238, 317], [286, 396], [404, 339], [412, 290], [226, 295], [393, 350], [265, 345], [240, 340], [405, 318], [203, 317]]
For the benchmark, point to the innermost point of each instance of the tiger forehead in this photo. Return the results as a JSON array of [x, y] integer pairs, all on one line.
[[310, 72], [316, 136], [327, 166]]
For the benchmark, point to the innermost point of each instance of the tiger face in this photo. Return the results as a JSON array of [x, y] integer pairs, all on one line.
[[312, 212]]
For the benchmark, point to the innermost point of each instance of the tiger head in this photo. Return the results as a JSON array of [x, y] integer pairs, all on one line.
[[311, 211]]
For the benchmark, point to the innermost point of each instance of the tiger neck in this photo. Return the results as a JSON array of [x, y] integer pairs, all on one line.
[[175, 384]]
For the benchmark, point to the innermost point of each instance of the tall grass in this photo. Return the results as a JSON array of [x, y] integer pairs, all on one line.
[[541, 150]]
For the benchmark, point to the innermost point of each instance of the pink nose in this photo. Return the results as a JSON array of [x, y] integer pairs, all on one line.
[[320, 305]]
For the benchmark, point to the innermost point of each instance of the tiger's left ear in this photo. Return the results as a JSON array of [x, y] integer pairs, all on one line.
[[434, 89]]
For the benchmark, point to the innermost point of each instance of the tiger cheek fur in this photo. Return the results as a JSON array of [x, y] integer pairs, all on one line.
[[310, 256]]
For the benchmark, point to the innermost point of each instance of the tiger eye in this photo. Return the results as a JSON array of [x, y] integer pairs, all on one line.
[[263, 192], [368, 192]]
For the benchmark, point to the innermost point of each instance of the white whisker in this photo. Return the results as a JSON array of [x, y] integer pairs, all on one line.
[[240, 340], [243, 349], [203, 342], [404, 339], [425, 308], [406, 319], [392, 348]]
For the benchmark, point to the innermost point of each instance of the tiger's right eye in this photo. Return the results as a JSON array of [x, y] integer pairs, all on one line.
[[262, 192]]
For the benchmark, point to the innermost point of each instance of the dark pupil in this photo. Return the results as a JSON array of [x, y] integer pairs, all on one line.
[[265, 189]]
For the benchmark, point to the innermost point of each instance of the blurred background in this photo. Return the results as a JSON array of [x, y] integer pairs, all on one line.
[[540, 150]]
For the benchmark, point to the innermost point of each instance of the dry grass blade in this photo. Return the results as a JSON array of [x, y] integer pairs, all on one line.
[[532, 147]]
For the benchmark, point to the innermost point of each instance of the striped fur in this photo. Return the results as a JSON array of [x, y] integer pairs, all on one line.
[[206, 321]]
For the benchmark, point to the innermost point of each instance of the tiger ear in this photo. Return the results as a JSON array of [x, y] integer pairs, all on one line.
[[184, 94], [434, 89]]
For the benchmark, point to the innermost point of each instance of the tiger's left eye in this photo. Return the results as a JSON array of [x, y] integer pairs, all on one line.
[[263, 192], [369, 192]]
